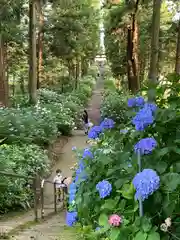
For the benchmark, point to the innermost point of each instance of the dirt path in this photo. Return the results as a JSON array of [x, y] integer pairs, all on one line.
[[54, 228]]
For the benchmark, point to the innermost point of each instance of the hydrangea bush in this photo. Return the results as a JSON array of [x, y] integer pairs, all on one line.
[[25, 160], [114, 184], [22, 126], [114, 106]]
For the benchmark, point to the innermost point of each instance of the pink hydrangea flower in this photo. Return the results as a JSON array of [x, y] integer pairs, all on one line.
[[115, 220]]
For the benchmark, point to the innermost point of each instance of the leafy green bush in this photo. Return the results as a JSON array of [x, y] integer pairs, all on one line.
[[25, 160], [30, 125], [115, 160], [109, 83], [62, 117], [114, 106]]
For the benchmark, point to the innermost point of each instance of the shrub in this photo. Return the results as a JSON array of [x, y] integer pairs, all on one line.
[[30, 125], [115, 160], [25, 160], [62, 117], [114, 106], [110, 84]]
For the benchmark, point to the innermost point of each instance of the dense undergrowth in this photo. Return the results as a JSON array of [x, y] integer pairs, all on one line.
[[109, 183], [27, 130]]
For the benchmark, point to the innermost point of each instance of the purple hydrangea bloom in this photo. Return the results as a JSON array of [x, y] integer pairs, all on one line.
[[145, 146], [107, 123], [139, 101], [143, 119], [94, 132], [87, 153], [146, 183], [104, 188], [131, 102], [71, 218]]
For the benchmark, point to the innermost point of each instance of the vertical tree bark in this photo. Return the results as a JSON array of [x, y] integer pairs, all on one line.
[[3, 83], [177, 64], [133, 53], [153, 71], [40, 45], [32, 53]]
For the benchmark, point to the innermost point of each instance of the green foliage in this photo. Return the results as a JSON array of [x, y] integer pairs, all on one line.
[[25, 160], [114, 160], [27, 125], [109, 83], [74, 29], [114, 106], [54, 113], [30, 125]]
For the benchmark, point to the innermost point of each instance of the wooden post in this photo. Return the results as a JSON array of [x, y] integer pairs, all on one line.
[[35, 199], [42, 199], [55, 198]]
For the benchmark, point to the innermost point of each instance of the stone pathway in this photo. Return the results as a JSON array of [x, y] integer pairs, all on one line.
[[54, 227]]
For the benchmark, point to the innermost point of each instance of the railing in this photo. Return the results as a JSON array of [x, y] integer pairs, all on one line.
[[34, 186], [38, 190]]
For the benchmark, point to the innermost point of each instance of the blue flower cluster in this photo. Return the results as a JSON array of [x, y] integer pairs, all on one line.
[[136, 102], [72, 192], [107, 123], [145, 116], [87, 153], [145, 146], [143, 119], [104, 188], [124, 131], [151, 106], [71, 218], [94, 132], [80, 172], [146, 183]]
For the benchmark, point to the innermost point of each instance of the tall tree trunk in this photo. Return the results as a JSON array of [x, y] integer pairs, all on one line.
[[84, 66], [153, 71], [133, 53], [3, 83], [32, 53], [40, 44], [177, 64], [76, 73]]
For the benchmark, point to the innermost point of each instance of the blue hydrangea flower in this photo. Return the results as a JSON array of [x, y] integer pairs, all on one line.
[[74, 148], [145, 146], [136, 102], [124, 131], [107, 123], [71, 218], [139, 101], [87, 153], [146, 183], [98, 229], [151, 106], [80, 173], [104, 188], [94, 132], [72, 192], [131, 102], [143, 119]]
